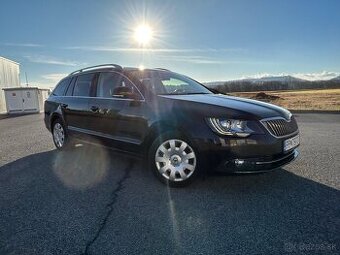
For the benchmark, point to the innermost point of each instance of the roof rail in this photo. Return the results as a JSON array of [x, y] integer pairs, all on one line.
[[120, 68], [163, 69]]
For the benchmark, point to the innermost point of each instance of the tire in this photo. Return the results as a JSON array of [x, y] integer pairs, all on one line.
[[60, 137], [173, 159]]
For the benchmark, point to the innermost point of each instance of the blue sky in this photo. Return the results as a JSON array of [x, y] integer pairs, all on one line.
[[208, 40]]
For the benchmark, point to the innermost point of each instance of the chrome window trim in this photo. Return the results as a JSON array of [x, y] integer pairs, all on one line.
[[113, 98], [262, 121]]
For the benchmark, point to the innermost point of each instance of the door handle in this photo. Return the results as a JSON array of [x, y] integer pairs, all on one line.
[[94, 108], [64, 105]]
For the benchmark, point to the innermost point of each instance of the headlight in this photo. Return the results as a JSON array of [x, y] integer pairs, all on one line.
[[230, 127]]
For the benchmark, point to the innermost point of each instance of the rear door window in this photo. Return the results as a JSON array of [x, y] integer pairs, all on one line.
[[82, 87], [107, 83]]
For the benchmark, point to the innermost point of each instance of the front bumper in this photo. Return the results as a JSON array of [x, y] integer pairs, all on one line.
[[256, 153], [253, 165]]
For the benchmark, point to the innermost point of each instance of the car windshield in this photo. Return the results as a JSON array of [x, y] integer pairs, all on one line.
[[168, 83]]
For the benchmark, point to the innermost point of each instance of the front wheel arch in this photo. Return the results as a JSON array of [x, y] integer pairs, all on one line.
[[160, 128]]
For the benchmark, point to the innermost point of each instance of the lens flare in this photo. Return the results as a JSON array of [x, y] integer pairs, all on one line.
[[143, 34]]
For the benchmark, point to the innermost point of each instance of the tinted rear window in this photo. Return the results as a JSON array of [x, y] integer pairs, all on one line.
[[82, 86], [61, 87]]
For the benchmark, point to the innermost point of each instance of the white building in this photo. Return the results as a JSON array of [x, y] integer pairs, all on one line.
[[15, 99], [9, 77]]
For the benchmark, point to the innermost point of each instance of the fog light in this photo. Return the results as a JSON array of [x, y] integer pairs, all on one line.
[[238, 162]]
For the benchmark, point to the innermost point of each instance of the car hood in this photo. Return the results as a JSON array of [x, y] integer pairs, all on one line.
[[254, 108]]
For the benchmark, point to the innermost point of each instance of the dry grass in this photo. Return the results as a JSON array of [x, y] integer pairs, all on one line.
[[322, 100]]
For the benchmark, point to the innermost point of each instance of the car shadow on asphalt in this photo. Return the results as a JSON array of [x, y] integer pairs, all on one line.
[[43, 193]]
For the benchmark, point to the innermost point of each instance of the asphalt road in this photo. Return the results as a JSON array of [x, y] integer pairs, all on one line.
[[93, 201]]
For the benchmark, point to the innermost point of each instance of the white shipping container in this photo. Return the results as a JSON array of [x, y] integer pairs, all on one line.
[[43, 94], [25, 99]]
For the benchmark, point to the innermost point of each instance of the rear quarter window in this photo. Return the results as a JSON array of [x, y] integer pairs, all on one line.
[[61, 87]]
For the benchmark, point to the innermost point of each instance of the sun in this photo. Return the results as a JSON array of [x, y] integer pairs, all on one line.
[[143, 34]]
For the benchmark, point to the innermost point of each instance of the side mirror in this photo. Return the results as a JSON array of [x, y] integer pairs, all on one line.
[[125, 92]]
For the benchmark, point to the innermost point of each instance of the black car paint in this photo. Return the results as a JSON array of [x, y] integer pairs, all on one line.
[[131, 125]]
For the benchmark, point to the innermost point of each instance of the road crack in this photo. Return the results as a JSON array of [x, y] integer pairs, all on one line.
[[109, 207]]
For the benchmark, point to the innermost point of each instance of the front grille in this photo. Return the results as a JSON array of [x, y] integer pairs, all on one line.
[[280, 127]]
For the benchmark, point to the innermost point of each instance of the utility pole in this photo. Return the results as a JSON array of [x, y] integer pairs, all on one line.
[[26, 79]]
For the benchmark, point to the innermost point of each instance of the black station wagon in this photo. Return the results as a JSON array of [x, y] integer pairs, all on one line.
[[178, 125]]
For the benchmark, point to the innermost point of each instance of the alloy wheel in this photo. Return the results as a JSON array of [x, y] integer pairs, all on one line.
[[58, 135]]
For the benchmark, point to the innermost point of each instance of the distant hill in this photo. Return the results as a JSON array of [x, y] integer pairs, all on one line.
[[284, 82], [336, 78], [282, 79]]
